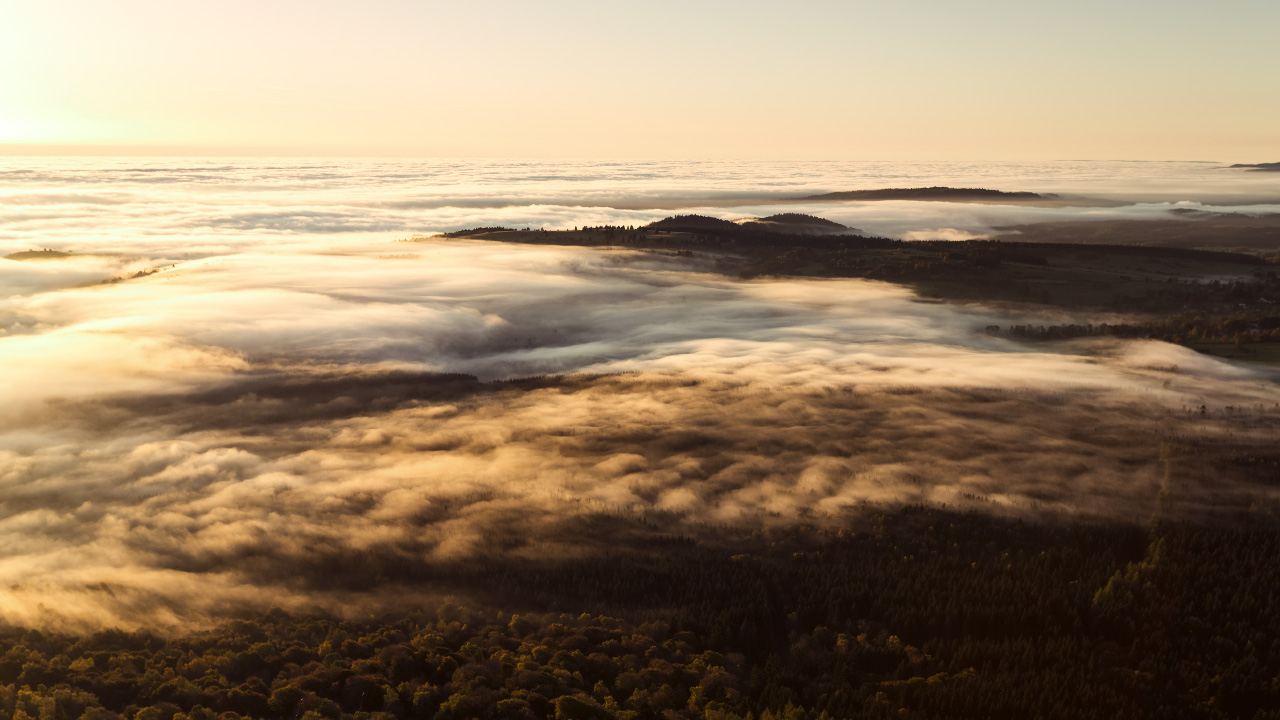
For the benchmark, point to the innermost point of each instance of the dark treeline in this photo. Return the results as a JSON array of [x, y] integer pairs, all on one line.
[[922, 613], [1239, 328], [1265, 167], [990, 253], [715, 233], [1239, 312], [474, 231], [42, 254]]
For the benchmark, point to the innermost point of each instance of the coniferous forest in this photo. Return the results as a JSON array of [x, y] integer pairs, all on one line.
[[924, 613]]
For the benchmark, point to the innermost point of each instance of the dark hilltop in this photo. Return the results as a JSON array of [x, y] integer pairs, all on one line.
[[941, 194], [1259, 167], [45, 254], [800, 223], [784, 223]]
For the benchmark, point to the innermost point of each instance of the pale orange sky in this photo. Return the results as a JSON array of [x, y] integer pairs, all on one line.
[[820, 79]]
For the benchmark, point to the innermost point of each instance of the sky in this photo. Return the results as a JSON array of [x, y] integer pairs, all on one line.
[[918, 79]]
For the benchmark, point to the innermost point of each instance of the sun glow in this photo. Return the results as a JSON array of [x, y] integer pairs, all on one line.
[[19, 130], [28, 129], [552, 80]]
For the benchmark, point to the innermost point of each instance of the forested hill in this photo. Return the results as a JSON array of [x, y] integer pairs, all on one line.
[[695, 223], [45, 254], [924, 614], [1259, 167], [799, 219], [929, 193], [800, 223], [780, 224]]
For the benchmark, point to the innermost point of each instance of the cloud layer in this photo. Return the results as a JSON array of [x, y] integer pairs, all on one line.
[[276, 403], [272, 426], [184, 209]]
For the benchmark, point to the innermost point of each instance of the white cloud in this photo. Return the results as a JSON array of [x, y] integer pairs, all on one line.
[[259, 411]]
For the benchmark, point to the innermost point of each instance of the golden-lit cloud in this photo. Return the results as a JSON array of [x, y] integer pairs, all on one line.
[[273, 428]]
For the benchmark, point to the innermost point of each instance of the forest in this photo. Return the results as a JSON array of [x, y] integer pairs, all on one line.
[[924, 613]]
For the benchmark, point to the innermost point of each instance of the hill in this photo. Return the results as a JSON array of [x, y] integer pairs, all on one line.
[[942, 194], [1259, 167], [780, 224], [802, 219], [692, 223], [799, 223], [45, 254]]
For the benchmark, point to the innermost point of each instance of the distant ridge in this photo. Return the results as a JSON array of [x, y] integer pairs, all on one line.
[[782, 223], [1259, 167], [45, 254], [930, 193]]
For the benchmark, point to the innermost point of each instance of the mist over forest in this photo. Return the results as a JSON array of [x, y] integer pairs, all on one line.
[[263, 459]]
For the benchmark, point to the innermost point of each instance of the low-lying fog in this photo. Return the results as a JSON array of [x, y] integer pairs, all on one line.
[[188, 208], [258, 427]]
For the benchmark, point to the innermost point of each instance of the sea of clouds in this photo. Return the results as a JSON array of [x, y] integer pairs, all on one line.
[[190, 207], [293, 405]]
